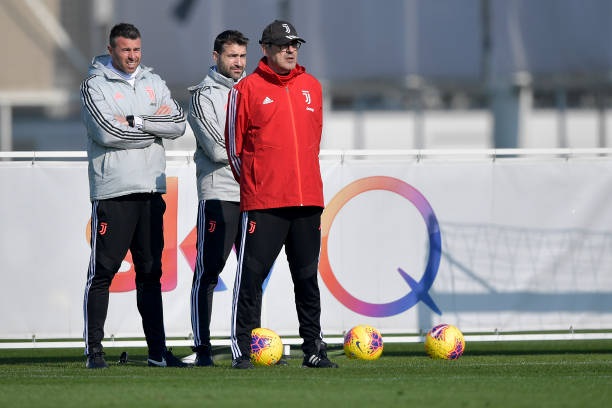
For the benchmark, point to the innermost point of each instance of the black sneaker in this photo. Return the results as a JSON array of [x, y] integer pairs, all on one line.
[[242, 363], [318, 361], [96, 360], [168, 360], [204, 357]]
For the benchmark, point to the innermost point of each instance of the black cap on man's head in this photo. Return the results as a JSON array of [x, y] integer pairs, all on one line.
[[280, 33]]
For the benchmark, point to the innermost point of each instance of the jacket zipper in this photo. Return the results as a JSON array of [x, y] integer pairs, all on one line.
[[295, 145]]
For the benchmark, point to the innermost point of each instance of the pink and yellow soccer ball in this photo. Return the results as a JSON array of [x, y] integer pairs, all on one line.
[[445, 342], [266, 347], [363, 342]]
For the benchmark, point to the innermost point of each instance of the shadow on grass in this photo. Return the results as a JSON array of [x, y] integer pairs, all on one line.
[[41, 360], [477, 348], [58, 356], [548, 347]]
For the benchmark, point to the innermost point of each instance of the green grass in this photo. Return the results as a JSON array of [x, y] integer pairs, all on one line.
[[575, 373]]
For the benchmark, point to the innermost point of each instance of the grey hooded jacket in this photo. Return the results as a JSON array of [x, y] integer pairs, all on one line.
[[207, 110], [123, 159]]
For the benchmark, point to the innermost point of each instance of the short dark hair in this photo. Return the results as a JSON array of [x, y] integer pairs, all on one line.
[[229, 37], [124, 30]]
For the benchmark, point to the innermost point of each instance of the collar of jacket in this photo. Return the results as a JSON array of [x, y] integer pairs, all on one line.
[[214, 78], [98, 67], [265, 71]]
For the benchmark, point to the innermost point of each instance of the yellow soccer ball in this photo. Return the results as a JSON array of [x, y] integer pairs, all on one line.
[[444, 341], [363, 342], [266, 347]]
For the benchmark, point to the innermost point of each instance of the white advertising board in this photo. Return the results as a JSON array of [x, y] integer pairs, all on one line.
[[488, 245]]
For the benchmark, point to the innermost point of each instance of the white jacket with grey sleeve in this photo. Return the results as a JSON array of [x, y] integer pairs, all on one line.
[[123, 159]]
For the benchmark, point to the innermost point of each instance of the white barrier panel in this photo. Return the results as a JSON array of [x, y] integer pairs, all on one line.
[[514, 244]]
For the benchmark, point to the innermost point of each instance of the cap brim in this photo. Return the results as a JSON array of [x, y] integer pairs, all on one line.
[[294, 38], [281, 41]]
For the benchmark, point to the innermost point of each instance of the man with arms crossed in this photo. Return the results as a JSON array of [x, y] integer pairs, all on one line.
[[128, 112]]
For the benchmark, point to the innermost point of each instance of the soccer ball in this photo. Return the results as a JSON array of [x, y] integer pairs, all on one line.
[[445, 342], [266, 347], [363, 342]]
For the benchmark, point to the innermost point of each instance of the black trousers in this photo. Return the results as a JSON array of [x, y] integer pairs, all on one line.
[[133, 222], [218, 229], [264, 232]]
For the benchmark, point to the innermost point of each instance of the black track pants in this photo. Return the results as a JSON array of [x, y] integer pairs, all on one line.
[[218, 229], [133, 222], [264, 234]]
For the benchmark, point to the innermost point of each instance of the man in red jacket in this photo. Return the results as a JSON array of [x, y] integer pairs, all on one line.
[[273, 133]]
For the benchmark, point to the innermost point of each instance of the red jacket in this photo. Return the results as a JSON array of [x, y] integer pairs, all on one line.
[[272, 134]]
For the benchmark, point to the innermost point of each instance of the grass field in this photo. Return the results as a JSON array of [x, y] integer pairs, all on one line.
[[576, 373]]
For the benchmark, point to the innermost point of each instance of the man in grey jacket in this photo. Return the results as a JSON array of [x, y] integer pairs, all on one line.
[[128, 111], [218, 192]]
